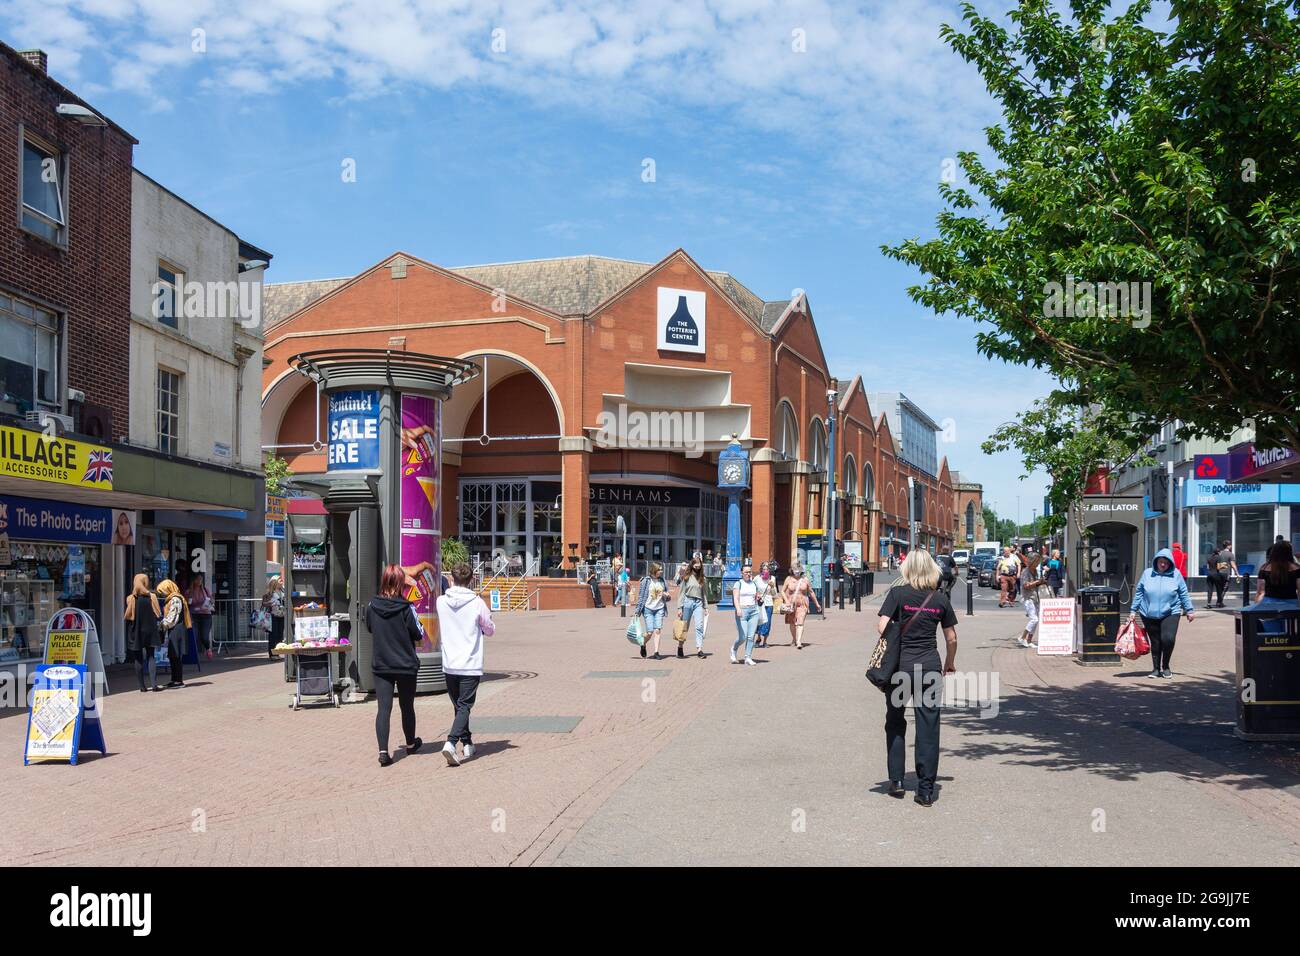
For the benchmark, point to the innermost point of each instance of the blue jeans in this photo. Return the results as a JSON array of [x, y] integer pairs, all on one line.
[[765, 623], [1274, 626], [693, 613], [746, 627]]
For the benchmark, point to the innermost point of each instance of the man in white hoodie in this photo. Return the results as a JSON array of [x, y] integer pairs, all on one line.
[[463, 622]]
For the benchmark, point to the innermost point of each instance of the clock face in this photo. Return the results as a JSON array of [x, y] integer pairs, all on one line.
[[733, 473]]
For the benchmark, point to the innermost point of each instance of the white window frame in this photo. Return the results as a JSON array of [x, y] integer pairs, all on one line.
[[57, 331], [177, 285], [60, 226], [176, 436]]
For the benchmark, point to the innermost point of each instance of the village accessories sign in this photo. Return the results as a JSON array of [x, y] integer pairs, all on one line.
[[38, 457], [681, 321]]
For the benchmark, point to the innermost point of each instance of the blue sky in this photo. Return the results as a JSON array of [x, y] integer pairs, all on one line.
[[786, 166]]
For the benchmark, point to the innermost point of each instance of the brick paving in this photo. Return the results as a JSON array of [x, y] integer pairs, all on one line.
[[224, 773]]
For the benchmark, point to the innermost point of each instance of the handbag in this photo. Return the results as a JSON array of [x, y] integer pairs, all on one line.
[[889, 647], [636, 630]]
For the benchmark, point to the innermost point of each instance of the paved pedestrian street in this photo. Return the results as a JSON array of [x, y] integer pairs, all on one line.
[[588, 754]]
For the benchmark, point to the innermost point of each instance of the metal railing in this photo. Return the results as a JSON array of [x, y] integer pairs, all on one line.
[[232, 623]]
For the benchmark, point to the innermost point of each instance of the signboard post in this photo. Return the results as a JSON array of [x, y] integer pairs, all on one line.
[[1056, 625], [809, 547]]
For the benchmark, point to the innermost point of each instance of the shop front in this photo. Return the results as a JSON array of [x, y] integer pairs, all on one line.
[[1250, 515]]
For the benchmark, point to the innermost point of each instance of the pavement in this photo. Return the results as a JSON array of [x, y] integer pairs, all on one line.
[[589, 755]]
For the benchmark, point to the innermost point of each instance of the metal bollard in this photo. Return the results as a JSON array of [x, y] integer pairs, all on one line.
[[970, 597], [1246, 600], [857, 598], [841, 590]]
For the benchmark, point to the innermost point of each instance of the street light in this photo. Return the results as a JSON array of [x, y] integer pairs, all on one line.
[[829, 551]]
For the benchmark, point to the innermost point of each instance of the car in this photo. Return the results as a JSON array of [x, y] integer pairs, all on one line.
[[961, 557], [988, 573]]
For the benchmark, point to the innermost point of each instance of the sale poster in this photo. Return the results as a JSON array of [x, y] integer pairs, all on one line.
[[421, 518]]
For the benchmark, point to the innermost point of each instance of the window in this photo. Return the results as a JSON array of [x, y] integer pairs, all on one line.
[[165, 291], [29, 360], [169, 412], [818, 444], [44, 192], [787, 440], [868, 482]]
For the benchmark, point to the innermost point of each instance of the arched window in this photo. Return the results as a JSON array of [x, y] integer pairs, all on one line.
[[818, 444], [868, 481], [970, 521], [787, 432], [849, 477]]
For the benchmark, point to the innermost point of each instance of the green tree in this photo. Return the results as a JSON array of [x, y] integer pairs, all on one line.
[[453, 552], [1126, 154], [277, 474]]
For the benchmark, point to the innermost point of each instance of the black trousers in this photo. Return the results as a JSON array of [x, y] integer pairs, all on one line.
[[595, 595], [176, 658], [1215, 585], [276, 635], [926, 701], [405, 687], [1161, 633], [203, 631], [461, 690], [146, 664]]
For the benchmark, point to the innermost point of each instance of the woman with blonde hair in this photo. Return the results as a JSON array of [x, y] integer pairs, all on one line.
[[141, 617], [917, 606], [1030, 594], [651, 603], [796, 595], [175, 627], [273, 603]]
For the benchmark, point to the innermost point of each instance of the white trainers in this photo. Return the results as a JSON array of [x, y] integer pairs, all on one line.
[[449, 751], [733, 659], [749, 661], [467, 751]]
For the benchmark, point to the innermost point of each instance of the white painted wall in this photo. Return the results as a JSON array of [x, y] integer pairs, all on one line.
[[204, 347]]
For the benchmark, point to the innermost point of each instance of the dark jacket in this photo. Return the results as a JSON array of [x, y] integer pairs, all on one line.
[[142, 632], [391, 622]]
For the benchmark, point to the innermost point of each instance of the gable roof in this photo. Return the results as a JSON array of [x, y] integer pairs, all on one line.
[[568, 286]]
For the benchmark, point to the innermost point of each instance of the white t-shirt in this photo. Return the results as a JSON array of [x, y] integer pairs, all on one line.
[[745, 593], [654, 598]]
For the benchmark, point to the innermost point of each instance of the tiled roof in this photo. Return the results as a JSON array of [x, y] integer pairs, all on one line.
[[574, 285]]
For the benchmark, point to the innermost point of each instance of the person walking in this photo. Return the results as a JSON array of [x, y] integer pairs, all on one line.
[[919, 608], [767, 595], [1180, 559], [273, 604], [593, 582], [1055, 574], [142, 617], [1279, 585], [1160, 599], [624, 580], [395, 633], [1030, 585], [694, 604], [651, 603], [1221, 566], [175, 628], [796, 595], [1008, 572], [201, 607], [463, 621], [615, 580], [749, 611]]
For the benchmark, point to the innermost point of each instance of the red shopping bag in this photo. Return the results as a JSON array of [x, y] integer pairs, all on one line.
[[1140, 642], [1125, 642]]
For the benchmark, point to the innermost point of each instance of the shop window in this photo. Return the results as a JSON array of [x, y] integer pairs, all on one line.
[[29, 363], [44, 191], [1254, 535], [169, 412], [43, 576], [1213, 525]]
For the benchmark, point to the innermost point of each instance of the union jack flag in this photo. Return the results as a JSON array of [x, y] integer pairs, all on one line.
[[100, 467]]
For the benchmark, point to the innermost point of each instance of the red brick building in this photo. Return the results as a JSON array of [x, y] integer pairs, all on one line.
[[558, 438]]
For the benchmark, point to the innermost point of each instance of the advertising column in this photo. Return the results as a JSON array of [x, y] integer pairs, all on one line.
[[421, 518]]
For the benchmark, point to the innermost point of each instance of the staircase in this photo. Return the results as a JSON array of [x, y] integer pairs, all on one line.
[[514, 592]]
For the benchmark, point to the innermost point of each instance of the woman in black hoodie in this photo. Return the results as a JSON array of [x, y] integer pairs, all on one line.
[[391, 620]]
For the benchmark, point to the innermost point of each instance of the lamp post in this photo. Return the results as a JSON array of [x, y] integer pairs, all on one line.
[[829, 551]]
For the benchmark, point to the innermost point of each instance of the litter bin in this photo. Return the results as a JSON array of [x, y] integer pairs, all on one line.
[[1268, 674], [1099, 612]]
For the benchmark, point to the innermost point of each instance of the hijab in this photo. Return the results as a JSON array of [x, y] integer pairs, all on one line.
[[139, 587], [169, 590]]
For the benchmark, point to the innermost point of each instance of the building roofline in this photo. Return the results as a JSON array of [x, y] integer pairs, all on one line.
[[216, 222], [44, 76]]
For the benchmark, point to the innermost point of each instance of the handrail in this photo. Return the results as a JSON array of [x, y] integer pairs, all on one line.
[[537, 593]]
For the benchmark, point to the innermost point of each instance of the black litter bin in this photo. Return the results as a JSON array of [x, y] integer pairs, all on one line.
[[1099, 612], [1268, 674]]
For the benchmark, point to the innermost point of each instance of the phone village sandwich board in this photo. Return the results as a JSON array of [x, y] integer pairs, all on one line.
[[64, 716]]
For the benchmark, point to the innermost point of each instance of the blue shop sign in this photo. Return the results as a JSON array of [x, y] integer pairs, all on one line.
[[28, 519], [1204, 494], [353, 431]]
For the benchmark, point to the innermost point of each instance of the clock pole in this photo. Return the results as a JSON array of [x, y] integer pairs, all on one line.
[[733, 479]]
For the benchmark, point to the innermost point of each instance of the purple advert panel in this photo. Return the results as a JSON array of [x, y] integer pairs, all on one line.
[[421, 514]]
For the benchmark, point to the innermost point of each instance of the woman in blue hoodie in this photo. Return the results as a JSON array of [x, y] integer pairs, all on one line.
[[1160, 599]]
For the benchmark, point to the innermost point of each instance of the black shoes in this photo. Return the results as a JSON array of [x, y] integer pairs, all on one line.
[[897, 790], [384, 759], [643, 650], [414, 746], [700, 655], [924, 799], [680, 651]]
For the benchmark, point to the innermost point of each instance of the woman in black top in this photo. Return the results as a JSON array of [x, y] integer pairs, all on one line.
[[142, 616], [920, 609], [395, 634], [1279, 585]]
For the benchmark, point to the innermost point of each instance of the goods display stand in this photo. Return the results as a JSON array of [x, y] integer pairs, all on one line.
[[316, 672]]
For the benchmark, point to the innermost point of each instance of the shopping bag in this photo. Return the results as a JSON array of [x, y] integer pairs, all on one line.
[[636, 630], [1125, 645], [679, 630], [1140, 642]]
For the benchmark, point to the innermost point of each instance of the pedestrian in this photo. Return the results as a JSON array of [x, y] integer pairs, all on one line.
[[767, 594], [917, 606], [615, 572], [651, 603], [1180, 559], [1055, 575], [1030, 583], [175, 628], [201, 607], [1279, 585], [142, 616], [745, 599], [796, 595], [273, 604], [1160, 599], [593, 582], [624, 579], [1221, 565], [463, 621], [395, 633], [1008, 573], [694, 606]]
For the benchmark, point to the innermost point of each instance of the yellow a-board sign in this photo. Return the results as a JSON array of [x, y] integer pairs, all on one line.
[[54, 725], [65, 647]]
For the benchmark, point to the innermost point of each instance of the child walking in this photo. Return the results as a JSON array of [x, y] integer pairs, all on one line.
[[463, 622]]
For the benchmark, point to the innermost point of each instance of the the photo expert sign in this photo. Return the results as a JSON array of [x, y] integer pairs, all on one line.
[[353, 431], [681, 320]]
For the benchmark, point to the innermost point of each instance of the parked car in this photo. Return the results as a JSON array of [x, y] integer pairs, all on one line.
[[961, 557], [988, 573]]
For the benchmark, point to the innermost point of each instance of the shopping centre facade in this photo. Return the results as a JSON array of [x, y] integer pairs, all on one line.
[[608, 389]]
